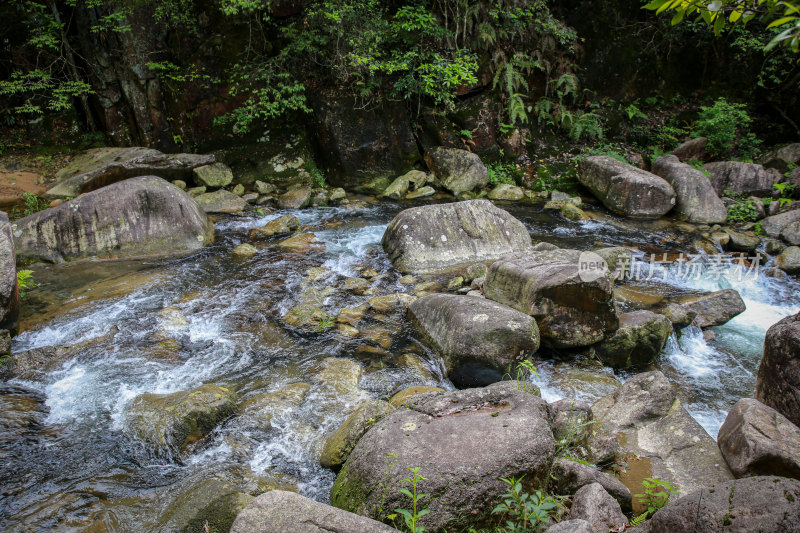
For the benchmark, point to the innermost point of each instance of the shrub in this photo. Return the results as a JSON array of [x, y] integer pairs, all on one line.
[[727, 127]]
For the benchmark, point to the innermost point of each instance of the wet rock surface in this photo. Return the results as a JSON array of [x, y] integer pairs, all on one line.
[[778, 384]]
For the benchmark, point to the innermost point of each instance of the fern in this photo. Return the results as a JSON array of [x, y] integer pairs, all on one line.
[[641, 519], [567, 85], [516, 109], [588, 125], [543, 109]]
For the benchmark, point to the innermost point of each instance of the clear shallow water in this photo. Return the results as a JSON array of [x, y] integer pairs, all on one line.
[[68, 461]]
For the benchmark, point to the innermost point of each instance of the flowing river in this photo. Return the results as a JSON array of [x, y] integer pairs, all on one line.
[[70, 463]]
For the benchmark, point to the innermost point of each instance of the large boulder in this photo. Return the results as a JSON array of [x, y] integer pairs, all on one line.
[[463, 442], [625, 189], [456, 170], [166, 423], [653, 426], [593, 504], [764, 504], [100, 167], [789, 260], [571, 309], [9, 291], [138, 217], [784, 225], [742, 178], [757, 440], [692, 149], [444, 236], [474, 330], [697, 201], [279, 511], [783, 157], [778, 383], [358, 144], [713, 308], [638, 341]]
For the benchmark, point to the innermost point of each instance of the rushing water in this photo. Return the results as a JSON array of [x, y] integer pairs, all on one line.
[[69, 461]]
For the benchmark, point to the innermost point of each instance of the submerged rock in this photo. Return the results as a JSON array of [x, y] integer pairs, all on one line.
[[442, 236], [463, 442], [638, 341], [278, 511], [474, 330], [778, 383], [757, 440], [138, 217], [457, 170], [278, 226], [9, 292], [166, 423], [625, 189], [653, 425], [763, 503], [696, 199], [570, 308], [100, 167]]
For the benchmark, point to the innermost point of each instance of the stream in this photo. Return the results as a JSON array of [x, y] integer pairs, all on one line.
[[69, 463]]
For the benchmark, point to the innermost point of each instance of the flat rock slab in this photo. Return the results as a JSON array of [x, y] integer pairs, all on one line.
[[757, 440], [444, 236], [764, 504], [474, 330], [463, 442], [99, 167], [280, 511], [571, 310], [625, 189], [138, 217], [778, 382], [652, 425], [713, 308]]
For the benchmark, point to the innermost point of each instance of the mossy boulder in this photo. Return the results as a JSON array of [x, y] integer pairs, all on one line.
[[221, 201], [295, 198], [458, 171], [341, 442], [216, 175], [167, 423], [638, 341]]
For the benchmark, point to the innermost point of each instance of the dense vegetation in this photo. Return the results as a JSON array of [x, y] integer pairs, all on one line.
[[167, 73]]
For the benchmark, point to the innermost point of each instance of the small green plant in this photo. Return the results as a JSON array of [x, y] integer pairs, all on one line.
[[576, 422], [325, 323], [759, 229], [317, 177], [25, 281], [503, 173], [785, 191], [527, 512], [632, 112], [523, 372], [742, 211], [588, 125], [411, 517], [656, 495], [698, 165], [33, 204]]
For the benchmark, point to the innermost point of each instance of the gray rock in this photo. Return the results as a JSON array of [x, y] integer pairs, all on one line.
[[764, 503], [295, 198], [783, 157], [789, 260], [773, 226], [652, 424], [571, 526], [463, 442], [593, 504], [9, 292], [571, 422], [778, 383], [506, 192], [216, 175], [692, 149], [221, 201], [341, 442], [457, 170], [679, 316], [144, 216], [570, 476], [696, 199], [100, 167], [756, 440], [422, 192], [741, 241], [263, 187], [164, 423], [474, 330], [548, 285], [742, 178], [638, 341], [277, 226], [279, 511], [441, 236], [397, 189], [713, 308], [625, 189], [337, 195]]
